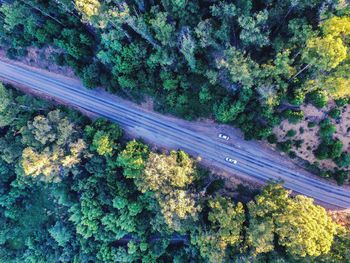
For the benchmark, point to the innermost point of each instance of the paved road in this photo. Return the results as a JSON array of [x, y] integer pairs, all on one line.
[[167, 133]]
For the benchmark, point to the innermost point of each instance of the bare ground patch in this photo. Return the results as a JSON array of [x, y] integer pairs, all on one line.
[[41, 58], [309, 135]]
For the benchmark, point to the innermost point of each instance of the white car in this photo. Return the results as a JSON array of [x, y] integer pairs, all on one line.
[[230, 160], [224, 136]]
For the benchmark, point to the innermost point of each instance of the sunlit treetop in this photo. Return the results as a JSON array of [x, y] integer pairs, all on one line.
[[88, 8]]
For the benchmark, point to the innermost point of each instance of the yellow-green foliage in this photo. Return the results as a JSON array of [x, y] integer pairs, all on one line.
[[88, 8], [169, 177]]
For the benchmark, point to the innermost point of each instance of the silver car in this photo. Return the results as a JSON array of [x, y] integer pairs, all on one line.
[[224, 136], [230, 160]]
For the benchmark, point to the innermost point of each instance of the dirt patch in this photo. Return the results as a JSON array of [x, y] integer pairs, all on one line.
[[42, 58], [341, 218], [148, 103], [308, 136]]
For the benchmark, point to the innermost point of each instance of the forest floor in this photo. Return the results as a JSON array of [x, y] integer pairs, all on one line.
[[42, 58], [310, 137]]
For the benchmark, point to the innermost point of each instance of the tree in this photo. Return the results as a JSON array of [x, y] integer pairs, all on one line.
[[102, 143], [324, 53], [253, 33], [54, 163], [327, 129], [169, 177], [337, 87], [164, 31], [260, 235], [227, 112], [187, 48], [164, 172], [339, 251], [91, 75], [204, 32], [343, 160], [133, 160], [319, 98], [53, 147], [88, 8], [227, 220], [293, 116], [242, 69], [305, 229], [329, 148], [60, 233], [336, 26], [7, 112], [225, 232]]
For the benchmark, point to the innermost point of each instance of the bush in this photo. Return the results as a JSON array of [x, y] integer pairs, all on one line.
[[327, 129], [298, 143], [311, 124], [22, 52], [292, 154], [336, 149], [285, 146], [340, 176], [326, 174], [272, 139], [215, 186], [91, 76], [313, 168], [343, 160], [59, 59], [342, 102], [298, 97], [321, 151], [11, 53], [334, 113], [329, 149], [291, 133], [293, 116], [318, 98]]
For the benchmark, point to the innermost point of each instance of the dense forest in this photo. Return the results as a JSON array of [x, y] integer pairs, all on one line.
[[247, 63], [73, 190]]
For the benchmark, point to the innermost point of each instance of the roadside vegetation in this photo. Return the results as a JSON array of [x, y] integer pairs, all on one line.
[[73, 190], [248, 63]]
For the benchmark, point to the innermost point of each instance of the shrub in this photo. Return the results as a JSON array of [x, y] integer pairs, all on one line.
[[215, 186], [298, 97], [327, 129], [291, 133], [272, 139], [59, 59], [343, 160], [22, 52], [329, 149], [11, 53], [318, 98], [311, 124], [91, 75], [293, 116], [340, 176], [292, 154], [335, 149], [313, 168], [298, 143], [285, 146], [334, 113], [342, 102]]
